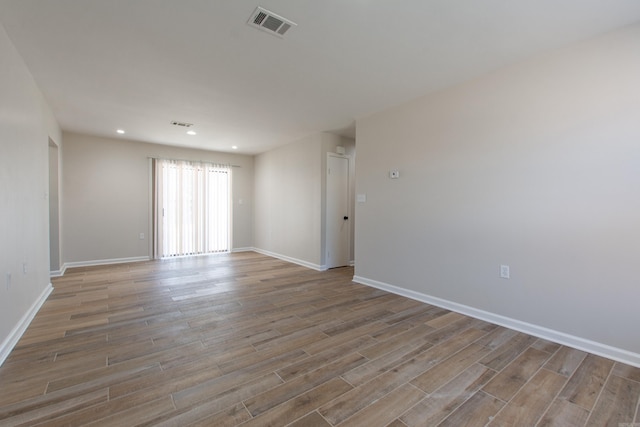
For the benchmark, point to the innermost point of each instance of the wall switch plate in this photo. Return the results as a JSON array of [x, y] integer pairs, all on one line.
[[394, 174], [504, 271], [361, 198], [141, 236]]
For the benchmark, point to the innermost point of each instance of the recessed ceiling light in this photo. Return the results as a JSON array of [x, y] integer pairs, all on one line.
[[120, 131], [191, 132], [235, 147]]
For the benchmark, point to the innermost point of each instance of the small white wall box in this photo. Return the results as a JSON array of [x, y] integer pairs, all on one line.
[[394, 174], [340, 150]]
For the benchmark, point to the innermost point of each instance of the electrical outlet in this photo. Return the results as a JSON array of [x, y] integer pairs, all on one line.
[[8, 280], [141, 236], [504, 271]]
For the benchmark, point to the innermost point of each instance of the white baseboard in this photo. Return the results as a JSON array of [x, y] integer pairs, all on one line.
[[103, 262], [579, 343], [234, 250], [58, 273], [16, 333], [291, 260]]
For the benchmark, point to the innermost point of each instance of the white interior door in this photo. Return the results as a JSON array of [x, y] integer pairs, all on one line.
[[337, 214]]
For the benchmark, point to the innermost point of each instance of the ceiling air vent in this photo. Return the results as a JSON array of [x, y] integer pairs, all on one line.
[[270, 22], [183, 124]]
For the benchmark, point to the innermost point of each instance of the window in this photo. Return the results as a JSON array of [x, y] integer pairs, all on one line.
[[192, 208]]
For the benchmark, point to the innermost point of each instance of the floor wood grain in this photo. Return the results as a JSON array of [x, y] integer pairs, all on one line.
[[245, 339]]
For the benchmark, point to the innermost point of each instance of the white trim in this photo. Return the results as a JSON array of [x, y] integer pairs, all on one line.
[[16, 333], [249, 249], [292, 260], [58, 273], [579, 343], [104, 262]]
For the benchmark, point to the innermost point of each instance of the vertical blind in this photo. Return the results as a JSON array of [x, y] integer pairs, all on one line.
[[192, 208]]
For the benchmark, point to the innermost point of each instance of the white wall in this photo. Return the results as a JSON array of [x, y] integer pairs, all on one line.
[[106, 201], [288, 211], [26, 124], [289, 199], [536, 166]]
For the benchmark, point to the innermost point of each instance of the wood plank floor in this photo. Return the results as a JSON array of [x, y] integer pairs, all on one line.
[[244, 339]]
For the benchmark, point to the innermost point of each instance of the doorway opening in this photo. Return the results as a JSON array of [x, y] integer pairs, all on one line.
[[54, 209], [338, 215]]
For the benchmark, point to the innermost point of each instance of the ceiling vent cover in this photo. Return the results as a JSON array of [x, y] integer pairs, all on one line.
[[183, 124], [270, 22]]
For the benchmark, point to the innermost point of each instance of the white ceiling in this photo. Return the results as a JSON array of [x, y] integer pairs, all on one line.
[[140, 64]]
